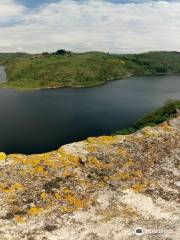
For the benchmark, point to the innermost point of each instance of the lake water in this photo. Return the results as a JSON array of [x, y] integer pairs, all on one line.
[[40, 121]]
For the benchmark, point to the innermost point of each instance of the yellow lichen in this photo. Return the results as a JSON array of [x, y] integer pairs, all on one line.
[[76, 202], [139, 187], [106, 139], [39, 170], [123, 211], [16, 187], [64, 209], [34, 210], [95, 162], [92, 139], [43, 196], [122, 151], [2, 156], [102, 139], [20, 219], [137, 173], [58, 196], [121, 176], [91, 148], [129, 163]]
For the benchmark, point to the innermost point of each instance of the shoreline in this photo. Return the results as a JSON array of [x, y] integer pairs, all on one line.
[[88, 86]]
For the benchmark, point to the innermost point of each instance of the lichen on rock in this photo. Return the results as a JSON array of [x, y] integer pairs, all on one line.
[[2, 156], [100, 188]]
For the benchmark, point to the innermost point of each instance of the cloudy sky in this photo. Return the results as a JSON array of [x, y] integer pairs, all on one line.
[[84, 25]]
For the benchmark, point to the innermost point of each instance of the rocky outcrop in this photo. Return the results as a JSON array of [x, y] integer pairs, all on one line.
[[101, 188]]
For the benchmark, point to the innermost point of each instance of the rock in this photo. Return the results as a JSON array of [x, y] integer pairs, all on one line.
[[101, 188]]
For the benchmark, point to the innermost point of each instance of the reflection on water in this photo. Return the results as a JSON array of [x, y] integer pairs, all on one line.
[[41, 121]]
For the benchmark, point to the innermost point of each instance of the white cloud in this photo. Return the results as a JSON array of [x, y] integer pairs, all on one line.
[[9, 9], [92, 25]]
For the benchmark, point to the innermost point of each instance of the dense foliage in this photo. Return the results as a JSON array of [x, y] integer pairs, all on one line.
[[63, 68]]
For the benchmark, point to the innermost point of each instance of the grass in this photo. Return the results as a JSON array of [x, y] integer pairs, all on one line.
[[32, 71]]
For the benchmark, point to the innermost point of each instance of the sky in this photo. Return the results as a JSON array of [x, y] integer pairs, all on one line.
[[116, 26]]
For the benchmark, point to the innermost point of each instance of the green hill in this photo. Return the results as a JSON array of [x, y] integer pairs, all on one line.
[[30, 71]]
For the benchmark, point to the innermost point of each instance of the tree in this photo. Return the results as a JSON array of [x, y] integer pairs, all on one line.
[[61, 52], [45, 53]]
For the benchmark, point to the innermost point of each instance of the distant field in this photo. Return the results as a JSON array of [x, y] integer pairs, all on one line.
[[26, 71]]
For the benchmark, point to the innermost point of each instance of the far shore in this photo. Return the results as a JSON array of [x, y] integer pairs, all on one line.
[[19, 88]]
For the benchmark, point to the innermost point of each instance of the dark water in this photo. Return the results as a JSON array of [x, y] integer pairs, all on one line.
[[40, 121]]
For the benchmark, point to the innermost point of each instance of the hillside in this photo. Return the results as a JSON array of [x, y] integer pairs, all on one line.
[[101, 188], [25, 71]]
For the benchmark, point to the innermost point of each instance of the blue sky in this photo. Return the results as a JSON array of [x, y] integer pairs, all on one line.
[[117, 26], [37, 3]]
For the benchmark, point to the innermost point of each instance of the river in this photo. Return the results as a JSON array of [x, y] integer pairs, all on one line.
[[43, 120]]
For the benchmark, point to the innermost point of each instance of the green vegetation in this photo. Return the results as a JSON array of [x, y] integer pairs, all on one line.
[[160, 115], [64, 68]]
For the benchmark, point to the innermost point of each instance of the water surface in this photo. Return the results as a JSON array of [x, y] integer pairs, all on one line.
[[40, 121]]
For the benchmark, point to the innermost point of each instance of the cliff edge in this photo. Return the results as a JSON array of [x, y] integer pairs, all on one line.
[[108, 187]]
